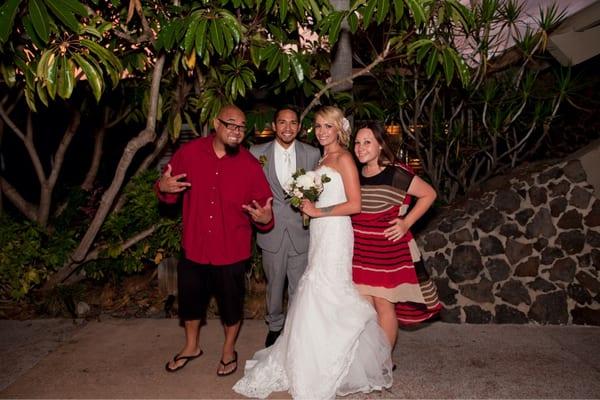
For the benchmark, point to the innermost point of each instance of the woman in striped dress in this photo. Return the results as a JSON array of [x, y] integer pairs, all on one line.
[[387, 267]]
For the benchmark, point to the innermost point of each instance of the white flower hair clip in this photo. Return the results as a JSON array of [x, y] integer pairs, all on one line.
[[345, 124]]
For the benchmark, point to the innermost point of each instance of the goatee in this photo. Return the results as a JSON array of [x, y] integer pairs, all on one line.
[[232, 149]]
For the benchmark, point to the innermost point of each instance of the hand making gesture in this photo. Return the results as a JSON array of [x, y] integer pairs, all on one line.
[[172, 184], [258, 213]]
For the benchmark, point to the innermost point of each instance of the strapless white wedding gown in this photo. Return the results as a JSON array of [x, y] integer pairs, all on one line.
[[331, 344]]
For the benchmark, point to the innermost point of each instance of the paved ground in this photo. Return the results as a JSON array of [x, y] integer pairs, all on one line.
[[125, 359]]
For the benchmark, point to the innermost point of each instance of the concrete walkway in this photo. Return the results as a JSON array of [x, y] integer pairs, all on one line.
[[125, 359]]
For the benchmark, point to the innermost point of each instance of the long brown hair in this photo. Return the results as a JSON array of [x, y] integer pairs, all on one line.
[[386, 156]]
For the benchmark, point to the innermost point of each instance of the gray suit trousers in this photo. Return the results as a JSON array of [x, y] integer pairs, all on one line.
[[286, 262]]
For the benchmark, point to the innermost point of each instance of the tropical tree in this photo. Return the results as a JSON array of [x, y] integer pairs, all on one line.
[[468, 107], [189, 59]]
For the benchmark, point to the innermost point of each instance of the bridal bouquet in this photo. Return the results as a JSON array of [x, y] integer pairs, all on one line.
[[304, 185]]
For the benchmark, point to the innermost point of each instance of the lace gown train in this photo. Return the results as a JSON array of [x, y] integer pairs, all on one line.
[[331, 343]]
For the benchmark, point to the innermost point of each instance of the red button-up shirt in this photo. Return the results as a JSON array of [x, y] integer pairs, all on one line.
[[216, 229]]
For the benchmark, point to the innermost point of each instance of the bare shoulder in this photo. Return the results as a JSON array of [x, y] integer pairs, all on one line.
[[344, 161]]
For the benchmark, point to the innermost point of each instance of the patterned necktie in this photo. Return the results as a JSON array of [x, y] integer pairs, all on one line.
[[287, 166]]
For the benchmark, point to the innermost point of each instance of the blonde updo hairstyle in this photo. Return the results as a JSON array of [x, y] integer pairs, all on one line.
[[336, 117]]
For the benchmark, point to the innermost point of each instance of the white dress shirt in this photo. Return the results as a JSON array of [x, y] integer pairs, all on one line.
[[285, 162]]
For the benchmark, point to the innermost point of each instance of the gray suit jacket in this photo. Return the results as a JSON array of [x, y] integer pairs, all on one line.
[[287, 218]]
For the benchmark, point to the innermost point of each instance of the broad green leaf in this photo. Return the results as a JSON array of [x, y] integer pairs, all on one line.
[[216, 38], [462, 14], [269, 5], [74, 6], [316, 11], [432, 62], [92, 31], [417, 11], [66, 77], [336, 25], [273, 62], [276, 33], [176, 61], [8, 11], [201, 37], [42, 94], [30, 99], [241, 87], [300, 6], [180, 27], [255, 55], [398, 9], [109, 60], [415, 45], [66, 16], [232, 24], [39, 19], [448, 63], [266, 53], [30, 31], [297, 65], [176, 125], [166, 37], [190, 36], [353, 22], [9, 74], [206, 57], [383, 7], [227, 35], [93, 75], [42, 66], [51, 78], [236, 33], [283, 6], [284, 68], [368, 12], [248, 77], [422, 51], [461, 68], [104, 27]]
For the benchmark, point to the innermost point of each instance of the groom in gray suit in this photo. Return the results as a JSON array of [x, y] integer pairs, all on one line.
[[285, 247]]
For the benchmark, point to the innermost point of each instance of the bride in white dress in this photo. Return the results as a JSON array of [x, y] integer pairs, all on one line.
[[331, 344]]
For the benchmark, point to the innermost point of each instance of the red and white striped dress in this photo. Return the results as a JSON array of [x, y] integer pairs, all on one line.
[[386, 269]]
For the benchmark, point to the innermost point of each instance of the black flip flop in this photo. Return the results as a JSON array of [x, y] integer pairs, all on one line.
[[179, 357], [226, 364]]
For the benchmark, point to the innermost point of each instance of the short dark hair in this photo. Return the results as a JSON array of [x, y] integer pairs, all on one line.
[[290, 107]]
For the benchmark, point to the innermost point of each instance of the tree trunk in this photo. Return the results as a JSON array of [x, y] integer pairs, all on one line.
[[90, 177], [145, 137], [341, 65], [12, 194], [47, 186]]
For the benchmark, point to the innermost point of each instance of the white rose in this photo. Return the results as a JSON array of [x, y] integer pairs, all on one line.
[[288, 185], [305, 182], [312, 175], [297, 193]]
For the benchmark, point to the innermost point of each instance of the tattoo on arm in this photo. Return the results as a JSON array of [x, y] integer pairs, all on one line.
[[327, 210]]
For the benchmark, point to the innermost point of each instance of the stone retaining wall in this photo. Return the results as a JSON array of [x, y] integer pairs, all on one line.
[[526, 249]]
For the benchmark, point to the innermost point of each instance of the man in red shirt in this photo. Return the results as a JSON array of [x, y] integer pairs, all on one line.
[[224, 193]]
